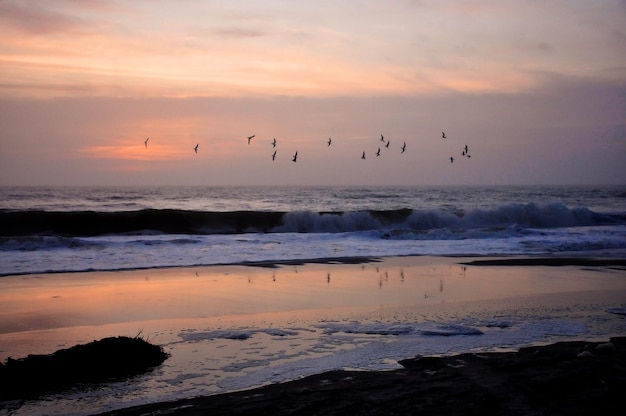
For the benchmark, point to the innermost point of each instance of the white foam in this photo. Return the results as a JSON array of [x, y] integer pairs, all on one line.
[[235, 334], [54, 254], [530, 215], [432, 329], [448, 330]]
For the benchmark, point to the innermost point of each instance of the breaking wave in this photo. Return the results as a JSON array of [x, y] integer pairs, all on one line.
[[153, 221]]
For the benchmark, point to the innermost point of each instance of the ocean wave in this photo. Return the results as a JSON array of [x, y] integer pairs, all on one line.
[[32, 243], [618, 310], [504, 218], [516, 217]]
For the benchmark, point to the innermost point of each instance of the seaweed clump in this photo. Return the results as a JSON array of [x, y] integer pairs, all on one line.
[[108, 359]]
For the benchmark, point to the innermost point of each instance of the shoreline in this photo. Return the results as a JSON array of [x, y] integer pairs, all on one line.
[[266, 264], [574, 378], [481, 260]]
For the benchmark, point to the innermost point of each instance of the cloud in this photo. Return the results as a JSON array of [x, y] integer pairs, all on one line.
[[35, 18], [238, 33], [302, 49]]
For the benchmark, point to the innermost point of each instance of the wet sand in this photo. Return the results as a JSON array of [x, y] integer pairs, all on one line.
[[41, 313]]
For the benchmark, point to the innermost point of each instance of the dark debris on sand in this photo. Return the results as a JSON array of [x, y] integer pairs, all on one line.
[[567, 378], [108, 359], [550, 261]]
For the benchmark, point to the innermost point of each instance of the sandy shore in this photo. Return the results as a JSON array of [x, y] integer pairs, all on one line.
[[238, 327]]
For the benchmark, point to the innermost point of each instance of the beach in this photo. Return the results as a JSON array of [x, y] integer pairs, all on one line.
[[236, 327], [404, 207]]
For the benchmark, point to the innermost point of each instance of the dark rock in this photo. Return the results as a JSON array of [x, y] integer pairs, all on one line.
[[423, 363], [108, 359]]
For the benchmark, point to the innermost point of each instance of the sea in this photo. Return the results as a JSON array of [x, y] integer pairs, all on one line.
[[71, 229], [247, 286]]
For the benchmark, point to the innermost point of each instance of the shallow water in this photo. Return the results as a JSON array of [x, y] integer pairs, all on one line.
[[237, 327]]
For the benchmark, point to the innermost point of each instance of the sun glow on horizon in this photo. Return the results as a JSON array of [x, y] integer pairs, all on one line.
[[134, 152]]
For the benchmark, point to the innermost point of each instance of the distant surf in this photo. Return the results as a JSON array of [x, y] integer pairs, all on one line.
[[46, 230]]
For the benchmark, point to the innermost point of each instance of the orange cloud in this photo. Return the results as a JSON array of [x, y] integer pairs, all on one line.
[[97, 48], [109, 64]]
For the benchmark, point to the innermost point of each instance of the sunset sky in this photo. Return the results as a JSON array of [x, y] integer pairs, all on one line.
[[535, 89]]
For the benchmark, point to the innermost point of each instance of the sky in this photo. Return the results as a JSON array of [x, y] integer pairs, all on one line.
[[536, 90]]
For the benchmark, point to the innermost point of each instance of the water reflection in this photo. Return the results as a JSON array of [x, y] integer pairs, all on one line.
[[32, 303]]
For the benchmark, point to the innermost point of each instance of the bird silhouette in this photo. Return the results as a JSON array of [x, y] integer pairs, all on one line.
[[387, 145], [329, 141], [382, 139], [363, 157], [250, 138], [378, 152], [443, 135], [146, 142], [295, 157], [451, 159], [403, 147], [274, 155], [195, 149], [466, 151], [273, 143]]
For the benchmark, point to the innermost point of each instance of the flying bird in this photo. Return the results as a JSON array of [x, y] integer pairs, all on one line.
[[466, 151], [387, 145], [443, 135], [273, 143], [146, 142], [378, 152], [195, 149], [363, 157], [382, 139], [451, 159], [329, 141], [403, 147], [274, 155], [250, 138], [295, 157]]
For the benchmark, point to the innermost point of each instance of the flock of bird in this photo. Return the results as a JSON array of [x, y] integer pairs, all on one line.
[[464, 153]]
